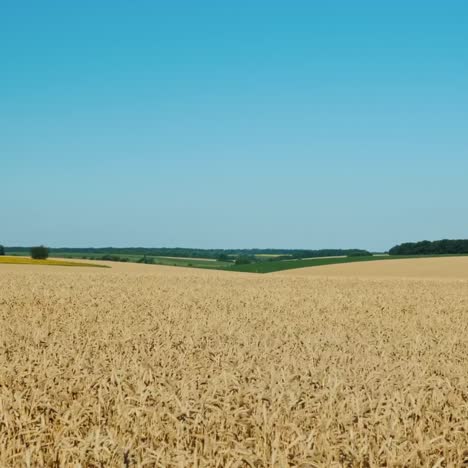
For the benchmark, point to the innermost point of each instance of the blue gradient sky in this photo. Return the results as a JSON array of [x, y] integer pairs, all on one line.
[[300, 124]]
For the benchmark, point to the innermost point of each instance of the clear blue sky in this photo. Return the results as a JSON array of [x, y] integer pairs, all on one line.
[[300, 124]]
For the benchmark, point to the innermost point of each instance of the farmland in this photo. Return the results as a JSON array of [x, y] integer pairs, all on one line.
[[258, 262], [448, 267], [281, 265], [14, 260], [147, 365], [136, 258]]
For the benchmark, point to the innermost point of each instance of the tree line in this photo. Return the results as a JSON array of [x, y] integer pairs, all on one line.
[[439, 247], [199, 253], [39, 252]]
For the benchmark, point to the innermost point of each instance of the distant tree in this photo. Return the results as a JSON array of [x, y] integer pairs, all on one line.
[[243, 260], [40, 252], [359, 253], [147, 260], [440, 247], [113, 258], [2, 250], [222, 257]]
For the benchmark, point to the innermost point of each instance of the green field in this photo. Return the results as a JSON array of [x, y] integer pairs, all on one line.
[[183, 262], [196, 263], [267, 256], [270, 267], [265, 263]]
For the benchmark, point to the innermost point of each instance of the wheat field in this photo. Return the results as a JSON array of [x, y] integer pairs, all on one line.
[[423, 268], [142, 365]]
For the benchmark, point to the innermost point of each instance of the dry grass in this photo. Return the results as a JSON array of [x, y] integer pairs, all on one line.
[[151, 366], [13, 260]]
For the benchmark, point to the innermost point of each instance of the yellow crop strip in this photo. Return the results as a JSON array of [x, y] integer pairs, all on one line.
[[29, 261]]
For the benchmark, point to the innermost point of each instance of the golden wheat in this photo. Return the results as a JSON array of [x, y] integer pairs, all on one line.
[[436, 268], [150, 366]]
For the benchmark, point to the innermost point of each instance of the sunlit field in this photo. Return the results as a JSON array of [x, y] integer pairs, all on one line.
[[143, 365], [14, 260]]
